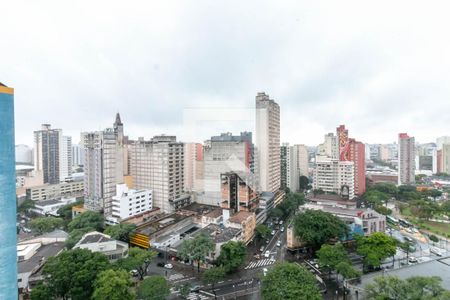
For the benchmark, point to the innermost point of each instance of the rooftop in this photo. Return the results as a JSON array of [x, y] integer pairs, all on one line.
[[240, 216], [94, 237], [218, 234], [42, 254]]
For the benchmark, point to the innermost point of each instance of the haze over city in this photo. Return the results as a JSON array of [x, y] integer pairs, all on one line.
[[325, 63]]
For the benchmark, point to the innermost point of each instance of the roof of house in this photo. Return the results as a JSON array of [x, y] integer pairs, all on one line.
[[41, 255], [240, 216], [94, 237]]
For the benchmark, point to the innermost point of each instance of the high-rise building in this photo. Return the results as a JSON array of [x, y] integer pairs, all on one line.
[[302, 160], [8, 234], [352, 150], [289, 167], [103, 166], [24, 155], [47, 147], [446, 158], [237, 193], [65, 161], [77, 155], [335, 176], [406, 159], [268, 143], [193, 158], [158, 165], [284, 165], [441, 141], [222, 154], [329, 149]]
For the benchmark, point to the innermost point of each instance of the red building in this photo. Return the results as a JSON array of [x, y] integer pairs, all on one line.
[[352, 150]]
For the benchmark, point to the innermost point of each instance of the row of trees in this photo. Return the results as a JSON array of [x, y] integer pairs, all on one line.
[[82, 274], [289, 205]]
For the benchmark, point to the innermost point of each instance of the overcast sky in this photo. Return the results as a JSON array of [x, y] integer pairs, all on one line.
[[380, 67]]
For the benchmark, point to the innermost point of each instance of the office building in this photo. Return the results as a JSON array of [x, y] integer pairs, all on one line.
[[354, 151], [406, 156], [77, 155], [335, 176], [158, 165], [193, 161], [24, 155], [267, 143], [221, 154], [8, 230], [129, 202], [103, 166], [65, 162], [289, 167], [47, 147], [302, 160], [329, 149]]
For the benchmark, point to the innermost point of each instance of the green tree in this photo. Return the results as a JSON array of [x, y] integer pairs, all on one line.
[[121, 231], [113, 285], [304, 182], [375, 248], [65, 212], [153, 288], [45, 224], [41, 292], [435, 193], [262, 231], [288, 281], [345, 269], [25, 206], [138, 259], [375, 198], [88, 219], [329, 256], [232, 255], [434, 238], [413, 288], [276, 213], [315, 227], [196, 249], [75, 235], [423, 209], [383, 210], [384, 187], [71, 274], [213, 276], [185, 290]]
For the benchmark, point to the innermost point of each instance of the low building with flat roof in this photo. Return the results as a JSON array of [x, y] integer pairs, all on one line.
[[103, 243]]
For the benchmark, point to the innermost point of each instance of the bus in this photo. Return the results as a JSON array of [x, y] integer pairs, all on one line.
[[391, 220], [404, 223]]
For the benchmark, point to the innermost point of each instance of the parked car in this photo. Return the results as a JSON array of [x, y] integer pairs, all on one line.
[[282, 229], [261, 249], [267, 254], [195, 289], [273, 232], [160, 264], [436, 251], [279, 244], [134, 273], [168, 266], [265, 271], [281, 222], [412, 259]]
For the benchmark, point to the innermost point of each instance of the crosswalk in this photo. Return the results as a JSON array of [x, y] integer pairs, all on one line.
[[197, 296], [176, 276], [260, 263]]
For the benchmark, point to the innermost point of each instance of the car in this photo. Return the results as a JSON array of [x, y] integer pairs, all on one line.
[[415, 230], [267, 254], [282, 229], [412, 259], [261, 249], [273, 232], [281, 222], [168, 266], [134, 273], [407, 238], [265, 271], [27, 230], [436, 251], [160, 264], [195, 289], [257, 256], [279, 244], [272, 258]]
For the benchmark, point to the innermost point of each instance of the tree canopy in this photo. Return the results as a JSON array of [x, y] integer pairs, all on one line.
[[138, 259], [153, 288], [72, 273], [262, 231], [329, 256], [88, 219], [232, 255], [213, 276], [113, 285], [196, 249], [315, 227], [413, 288], [121, 231], [375, 248], [288, 281], [45, 224]]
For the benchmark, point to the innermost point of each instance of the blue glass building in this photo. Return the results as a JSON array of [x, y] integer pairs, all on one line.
[[8, 233]]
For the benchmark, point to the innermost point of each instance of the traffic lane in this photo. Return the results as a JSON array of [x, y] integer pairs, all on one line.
[[230, 287]]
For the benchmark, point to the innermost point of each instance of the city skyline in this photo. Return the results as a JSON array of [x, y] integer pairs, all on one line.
[[321, 68]]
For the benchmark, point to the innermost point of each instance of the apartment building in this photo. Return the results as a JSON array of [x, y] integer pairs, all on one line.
[[335, 176]]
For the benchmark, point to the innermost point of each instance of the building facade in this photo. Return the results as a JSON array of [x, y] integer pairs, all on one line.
[[103, 166], [65, 162], [47, 147], [267, 143], [406, 159], [354, 151], [445, 158], [158, 165], [77, 155], [129, 202], [289, 167], [335, 176], [55, 191], [24, 154], [193, 158], [8, 231]]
